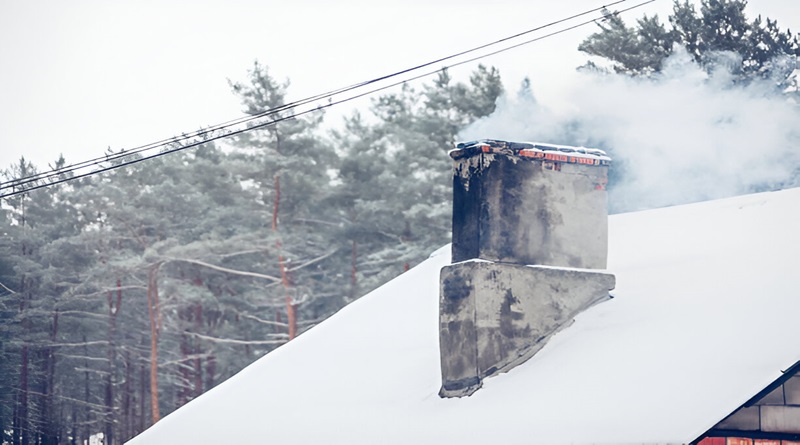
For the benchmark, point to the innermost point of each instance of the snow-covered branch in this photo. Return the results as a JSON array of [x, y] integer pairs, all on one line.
[[234, 341], [6, 288], [227, 270], [82, 357], [108, 289], [310, 262], [75, 345], [185, 359], [84, 314], [316, 221], [243, 252], [262, 321]]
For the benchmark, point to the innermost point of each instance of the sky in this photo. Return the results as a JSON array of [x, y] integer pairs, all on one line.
[[80, 76]]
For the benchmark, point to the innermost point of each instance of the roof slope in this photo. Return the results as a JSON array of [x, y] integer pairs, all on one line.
[[705, 316]]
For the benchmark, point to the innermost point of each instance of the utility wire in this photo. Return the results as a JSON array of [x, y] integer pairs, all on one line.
[[207, 133], [203, 132], [124, 153]]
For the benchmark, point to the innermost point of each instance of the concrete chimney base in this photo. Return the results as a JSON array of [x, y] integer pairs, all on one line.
[[495, 316]]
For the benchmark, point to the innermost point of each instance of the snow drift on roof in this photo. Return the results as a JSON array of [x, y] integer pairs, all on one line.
[[705, 316]]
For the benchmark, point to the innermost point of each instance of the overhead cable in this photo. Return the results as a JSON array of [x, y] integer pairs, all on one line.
[[224, 130], [203, 132]]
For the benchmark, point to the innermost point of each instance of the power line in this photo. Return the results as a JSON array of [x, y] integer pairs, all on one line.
[[207, 135], [203, 132], [200, 133]]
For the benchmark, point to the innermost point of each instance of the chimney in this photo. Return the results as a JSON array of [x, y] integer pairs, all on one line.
[[530, 241]]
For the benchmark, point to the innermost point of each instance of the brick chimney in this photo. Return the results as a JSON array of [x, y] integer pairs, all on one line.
[[530, 241]]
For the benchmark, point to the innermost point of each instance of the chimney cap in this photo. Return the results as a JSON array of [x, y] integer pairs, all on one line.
[[535, 150]]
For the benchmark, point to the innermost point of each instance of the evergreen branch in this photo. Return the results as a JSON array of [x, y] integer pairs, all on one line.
[[77, 401], [184, 359], [235, 341], [96, 371], [6, 288], [76, 345], [243, 252], [316, 221], [226, 270], [82, 357], [310, 262], [102, 317], [109, 289], [262, 321]]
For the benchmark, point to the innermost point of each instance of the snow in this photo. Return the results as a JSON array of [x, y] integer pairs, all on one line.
[[705, 316]]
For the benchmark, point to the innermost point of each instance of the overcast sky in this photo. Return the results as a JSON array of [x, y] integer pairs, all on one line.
[[79, 76]]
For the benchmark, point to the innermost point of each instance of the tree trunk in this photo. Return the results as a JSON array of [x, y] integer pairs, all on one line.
[[276, 204], [183, 366], [127, 420], [50, 429], [354, 270], [86, 392], [291, 308], [153, 312], [198, 366], [23, 431], [74, 429], [113, 310], [24, 426], [142, 398], [15, 422], [211, 366]]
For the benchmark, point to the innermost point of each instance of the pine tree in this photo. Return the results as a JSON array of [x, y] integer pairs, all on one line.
[[291, 174], [634, 51], [720, 29], [395, 174], [126, 294], [7, 329], [43, 263]]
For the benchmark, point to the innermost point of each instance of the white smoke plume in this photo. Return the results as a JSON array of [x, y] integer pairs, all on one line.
[[685, 136]]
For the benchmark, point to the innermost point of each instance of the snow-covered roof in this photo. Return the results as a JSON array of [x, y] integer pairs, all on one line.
[[705, 315]]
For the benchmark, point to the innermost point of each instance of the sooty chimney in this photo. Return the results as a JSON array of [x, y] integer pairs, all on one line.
[[530, 231]]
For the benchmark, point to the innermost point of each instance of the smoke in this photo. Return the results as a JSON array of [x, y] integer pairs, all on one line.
[[682, 137]]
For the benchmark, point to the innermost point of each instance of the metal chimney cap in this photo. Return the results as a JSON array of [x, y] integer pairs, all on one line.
[[531, 150]]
